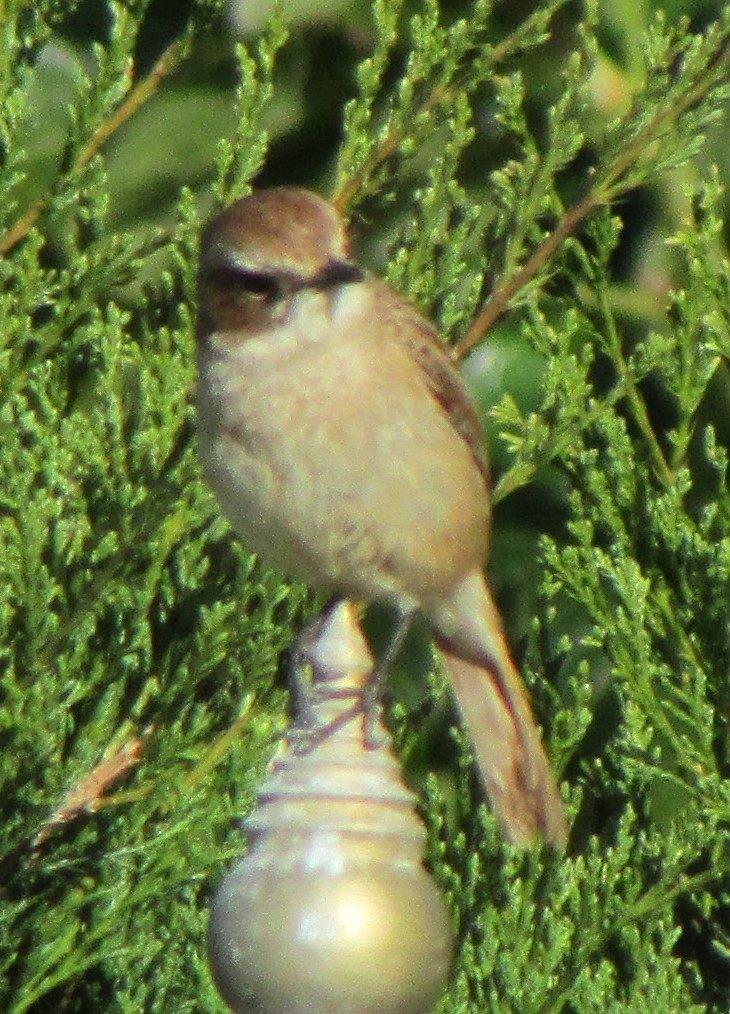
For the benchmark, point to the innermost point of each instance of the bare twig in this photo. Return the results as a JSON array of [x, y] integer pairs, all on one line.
[[86, 795]]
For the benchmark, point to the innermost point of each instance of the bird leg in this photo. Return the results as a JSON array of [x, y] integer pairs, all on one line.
[[310, 690]]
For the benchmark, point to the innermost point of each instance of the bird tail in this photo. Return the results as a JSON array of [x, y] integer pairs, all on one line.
[[508, 750]]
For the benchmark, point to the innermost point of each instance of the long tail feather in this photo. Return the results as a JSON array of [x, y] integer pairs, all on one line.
[[509, 753]]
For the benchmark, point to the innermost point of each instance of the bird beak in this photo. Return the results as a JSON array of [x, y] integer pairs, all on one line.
[[336, 273]]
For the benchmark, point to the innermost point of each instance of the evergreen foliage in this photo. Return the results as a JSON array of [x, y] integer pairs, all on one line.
[[504, 161]]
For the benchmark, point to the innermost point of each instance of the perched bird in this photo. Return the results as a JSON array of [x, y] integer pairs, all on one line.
[[343, 447]]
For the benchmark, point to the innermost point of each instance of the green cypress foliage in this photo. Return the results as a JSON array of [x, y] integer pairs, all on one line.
[[490, 161]]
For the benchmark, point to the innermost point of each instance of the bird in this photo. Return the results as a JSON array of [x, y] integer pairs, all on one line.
[[342, 445]]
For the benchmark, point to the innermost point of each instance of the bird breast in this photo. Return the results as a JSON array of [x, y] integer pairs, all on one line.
[[332, 458]]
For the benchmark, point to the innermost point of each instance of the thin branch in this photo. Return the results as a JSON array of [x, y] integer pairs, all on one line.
[[498, 303], [607, 187], [659, 463], [135, 98], [385, 149], [441, 93], [86, 796]]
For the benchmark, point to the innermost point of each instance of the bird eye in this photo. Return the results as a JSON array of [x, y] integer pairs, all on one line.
[[253, 283], [259, 285]]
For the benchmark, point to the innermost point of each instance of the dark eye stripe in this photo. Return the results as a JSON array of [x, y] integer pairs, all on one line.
[[337, 273], [255, 283], [272, 286]]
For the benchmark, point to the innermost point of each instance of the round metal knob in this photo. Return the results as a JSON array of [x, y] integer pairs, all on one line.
[[332, 910]]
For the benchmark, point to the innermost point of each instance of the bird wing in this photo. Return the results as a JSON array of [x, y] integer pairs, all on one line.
[[444, 381]]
